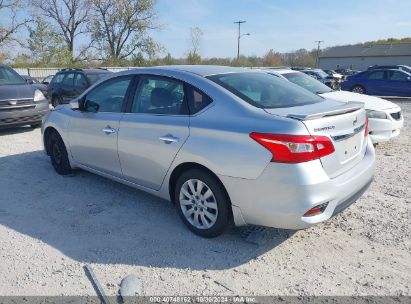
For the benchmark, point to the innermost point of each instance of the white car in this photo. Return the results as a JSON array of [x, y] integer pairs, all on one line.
[[385, 118]]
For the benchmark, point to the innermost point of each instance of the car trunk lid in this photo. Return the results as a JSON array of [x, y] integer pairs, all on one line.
[[344, 123]]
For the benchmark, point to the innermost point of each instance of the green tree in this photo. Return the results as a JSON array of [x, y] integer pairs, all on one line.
[[120, 28], [44, 43]]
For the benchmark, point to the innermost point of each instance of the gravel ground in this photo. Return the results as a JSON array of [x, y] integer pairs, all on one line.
[[51, 226]]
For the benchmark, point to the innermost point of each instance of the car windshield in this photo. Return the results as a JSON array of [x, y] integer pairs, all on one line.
[[307, 82], [9, 76], [265, 90], [95, 77]]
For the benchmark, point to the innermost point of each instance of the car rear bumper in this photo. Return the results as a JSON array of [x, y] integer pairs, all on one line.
[[285, 192], [11, 118], [382, 130]]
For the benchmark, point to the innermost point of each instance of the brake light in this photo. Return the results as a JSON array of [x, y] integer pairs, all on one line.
[[294, 148], [316, 210], [366, 127]]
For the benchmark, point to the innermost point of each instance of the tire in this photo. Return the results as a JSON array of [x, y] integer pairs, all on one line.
[[56, 101], [205, 216], [58, 154], [358, 89]]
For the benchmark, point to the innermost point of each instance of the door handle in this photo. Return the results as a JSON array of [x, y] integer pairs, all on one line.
[[109, 130], [168, 139]]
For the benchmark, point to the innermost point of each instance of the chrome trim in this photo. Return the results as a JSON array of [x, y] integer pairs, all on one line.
[[348, 135]]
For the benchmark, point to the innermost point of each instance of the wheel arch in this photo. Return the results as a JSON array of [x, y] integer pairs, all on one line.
[[181, 168]]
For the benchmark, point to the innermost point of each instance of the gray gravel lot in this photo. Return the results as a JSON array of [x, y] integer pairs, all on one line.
[[50, 226]]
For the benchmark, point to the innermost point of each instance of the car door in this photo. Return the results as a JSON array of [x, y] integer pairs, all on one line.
[[373, 83], [398, 83], [67, 87], [94, 129], [154, 129]]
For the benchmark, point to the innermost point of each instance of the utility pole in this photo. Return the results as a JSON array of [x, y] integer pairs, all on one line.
[[317, 60], [239, 37]]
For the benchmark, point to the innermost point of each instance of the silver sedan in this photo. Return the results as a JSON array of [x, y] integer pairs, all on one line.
[[225, 145]]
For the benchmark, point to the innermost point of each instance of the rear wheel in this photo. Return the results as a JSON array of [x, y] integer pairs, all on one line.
[[358, 89], [58, 154], [202, 203]]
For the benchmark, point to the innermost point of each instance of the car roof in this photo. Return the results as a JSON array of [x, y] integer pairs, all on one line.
[[281, 71], [201, 70], [86, 70]]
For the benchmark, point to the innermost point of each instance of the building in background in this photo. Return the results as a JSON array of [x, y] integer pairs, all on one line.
[[361, 56]]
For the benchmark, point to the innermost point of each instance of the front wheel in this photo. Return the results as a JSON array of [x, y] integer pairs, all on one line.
[[358, 89], [202, 203], [58, 154]]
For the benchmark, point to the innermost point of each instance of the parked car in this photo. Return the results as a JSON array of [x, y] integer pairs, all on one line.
[[402, 67], [322, 76], [35, 83], [70, 83], [47, 80], [347, 72], [385, 118], [380, 82], [224, 144], [20, 102]]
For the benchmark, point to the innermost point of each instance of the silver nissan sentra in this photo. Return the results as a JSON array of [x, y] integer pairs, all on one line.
[[225, 145]]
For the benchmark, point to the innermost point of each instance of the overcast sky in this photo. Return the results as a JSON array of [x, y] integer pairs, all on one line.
[[282, 25]]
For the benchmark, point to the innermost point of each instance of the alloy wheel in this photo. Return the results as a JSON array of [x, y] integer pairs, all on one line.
[[198, 204]]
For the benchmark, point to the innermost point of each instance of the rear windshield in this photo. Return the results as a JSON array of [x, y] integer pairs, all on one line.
[[95, 77], [307, 82], [9, 76], [265, 91]]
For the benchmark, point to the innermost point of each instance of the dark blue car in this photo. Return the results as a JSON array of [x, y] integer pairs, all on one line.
[[380, 82]]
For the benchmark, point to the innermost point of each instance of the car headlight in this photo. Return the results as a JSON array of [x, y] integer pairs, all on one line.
[[38, 96], [376, 114]]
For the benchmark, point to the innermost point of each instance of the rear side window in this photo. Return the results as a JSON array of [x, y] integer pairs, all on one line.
[[397, 76], [265, 91], [158, 95], [378, 75], [198, 100]]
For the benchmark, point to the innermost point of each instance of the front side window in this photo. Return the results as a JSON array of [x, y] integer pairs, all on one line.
[[108, 97], [397, 76], [378, 75], [69, 80], [57, 79], [9, 76], [158, 95], [265, 91]]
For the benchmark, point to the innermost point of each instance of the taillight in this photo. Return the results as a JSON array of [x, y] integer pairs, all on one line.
[[366, 127], [294, 148]]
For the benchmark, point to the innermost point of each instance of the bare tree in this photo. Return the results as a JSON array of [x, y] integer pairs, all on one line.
[[120, 27], [70, 16], [196, 34], [8, 31]]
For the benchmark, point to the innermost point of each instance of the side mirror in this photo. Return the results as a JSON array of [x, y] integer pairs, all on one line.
[[74, 104], [91, 106], [29, 81]]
